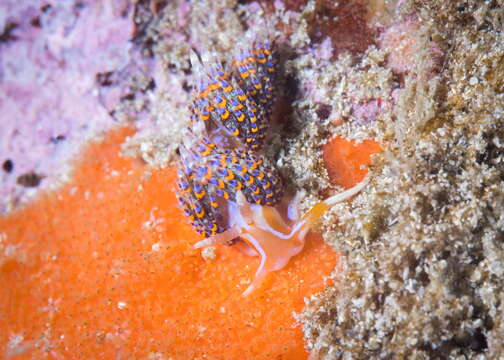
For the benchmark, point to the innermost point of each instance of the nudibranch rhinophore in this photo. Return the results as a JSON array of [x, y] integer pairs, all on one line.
[[228, 189]]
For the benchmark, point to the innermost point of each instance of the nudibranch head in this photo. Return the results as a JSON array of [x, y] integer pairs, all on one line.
[[275, 233]]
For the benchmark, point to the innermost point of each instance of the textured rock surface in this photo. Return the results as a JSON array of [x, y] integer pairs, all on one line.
[[424, 245]]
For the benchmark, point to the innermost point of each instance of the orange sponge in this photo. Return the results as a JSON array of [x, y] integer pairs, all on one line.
[[344, 159], [105, 268]]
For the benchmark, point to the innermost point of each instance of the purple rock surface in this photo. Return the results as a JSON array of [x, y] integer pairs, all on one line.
[[52, 57]]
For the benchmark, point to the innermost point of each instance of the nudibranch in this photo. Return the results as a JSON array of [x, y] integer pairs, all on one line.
[[228, 188]]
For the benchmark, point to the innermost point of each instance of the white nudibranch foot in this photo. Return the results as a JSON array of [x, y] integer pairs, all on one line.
[[275, 237]]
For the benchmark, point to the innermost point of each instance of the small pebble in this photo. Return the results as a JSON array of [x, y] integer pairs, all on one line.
[[8, 165], [30, 179], [208, 253], [121, 305], [323, 111]]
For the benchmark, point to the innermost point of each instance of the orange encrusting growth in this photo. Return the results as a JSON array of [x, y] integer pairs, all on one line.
[[105, 268], [344, 158]]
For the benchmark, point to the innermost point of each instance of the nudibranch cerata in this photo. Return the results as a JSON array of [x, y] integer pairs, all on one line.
[[228, 189]]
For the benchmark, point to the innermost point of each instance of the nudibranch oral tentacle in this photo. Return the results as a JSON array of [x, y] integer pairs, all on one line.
[[274, 238], [228, 189]]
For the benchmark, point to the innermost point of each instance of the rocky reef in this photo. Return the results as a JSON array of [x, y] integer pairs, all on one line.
[[424, 243]]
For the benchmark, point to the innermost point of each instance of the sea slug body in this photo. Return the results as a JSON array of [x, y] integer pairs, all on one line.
[[228, 188]]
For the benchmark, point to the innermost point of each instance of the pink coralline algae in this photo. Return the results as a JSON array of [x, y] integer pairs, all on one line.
[[368, 112], [398, 39], [50, 59]]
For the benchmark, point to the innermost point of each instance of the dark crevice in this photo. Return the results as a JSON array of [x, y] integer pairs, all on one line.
[[8, 166], [7, 34]]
